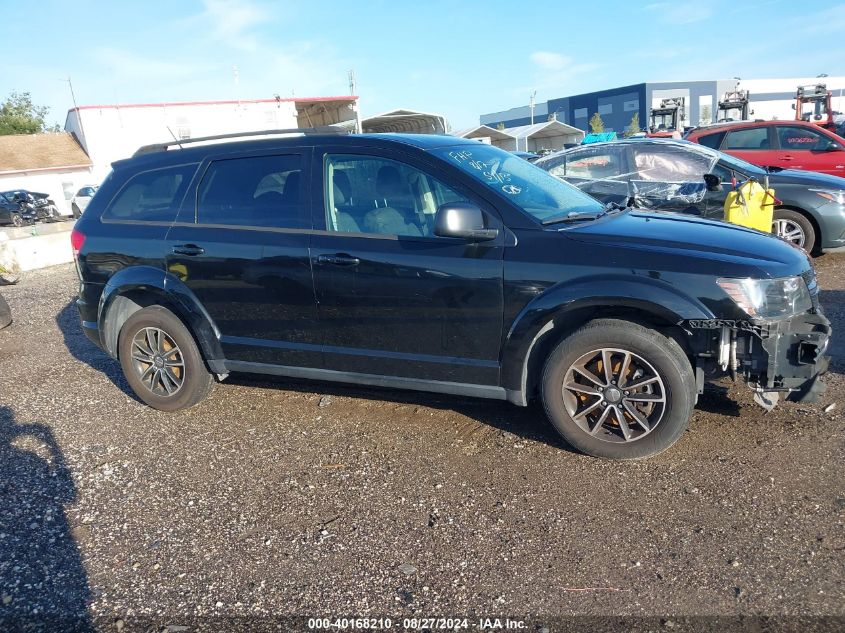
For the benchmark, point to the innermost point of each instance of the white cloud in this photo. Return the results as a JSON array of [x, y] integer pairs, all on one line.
[[233, 22], [550, 61]]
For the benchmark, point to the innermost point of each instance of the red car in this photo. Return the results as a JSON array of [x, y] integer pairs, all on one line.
[[783, 144]]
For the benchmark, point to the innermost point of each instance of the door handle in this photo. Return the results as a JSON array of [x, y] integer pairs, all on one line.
[[188, 249], [338, 259], [787, 157]]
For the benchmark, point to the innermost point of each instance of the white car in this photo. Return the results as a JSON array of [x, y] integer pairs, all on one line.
[[82, 198]]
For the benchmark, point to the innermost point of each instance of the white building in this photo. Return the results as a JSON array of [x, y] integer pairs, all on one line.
[[45, 163], [546, 136], [407, 122], [112, 132]]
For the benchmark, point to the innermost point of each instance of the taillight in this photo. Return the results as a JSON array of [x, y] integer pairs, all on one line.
[[77, 239]]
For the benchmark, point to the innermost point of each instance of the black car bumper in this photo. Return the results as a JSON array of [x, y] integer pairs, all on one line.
[[795, 357]]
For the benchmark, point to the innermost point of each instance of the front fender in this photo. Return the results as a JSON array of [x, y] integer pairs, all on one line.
[[567, 304], [136, 287]]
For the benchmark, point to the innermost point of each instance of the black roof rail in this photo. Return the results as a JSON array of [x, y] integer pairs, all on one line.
[[162, 147]]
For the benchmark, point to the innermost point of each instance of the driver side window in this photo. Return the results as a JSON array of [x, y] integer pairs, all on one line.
[[368, 194]]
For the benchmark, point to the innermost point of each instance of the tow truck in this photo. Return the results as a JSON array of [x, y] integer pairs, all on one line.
[[666, 120], [734, 106]]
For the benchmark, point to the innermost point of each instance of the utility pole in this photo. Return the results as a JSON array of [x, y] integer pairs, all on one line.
[[352, 82], [78, 113], [531, 105]]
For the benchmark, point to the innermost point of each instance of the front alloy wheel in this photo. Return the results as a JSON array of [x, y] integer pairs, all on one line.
[[614, 395], [617, 389], [790, 231]]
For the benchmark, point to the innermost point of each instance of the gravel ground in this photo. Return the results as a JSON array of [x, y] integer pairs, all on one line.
[[277, 497]]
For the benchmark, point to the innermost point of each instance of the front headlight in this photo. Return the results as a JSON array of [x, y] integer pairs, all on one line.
[[831, 195], [768, 298]]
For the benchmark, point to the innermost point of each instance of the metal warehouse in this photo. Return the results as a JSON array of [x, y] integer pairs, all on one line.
[[768, 99]]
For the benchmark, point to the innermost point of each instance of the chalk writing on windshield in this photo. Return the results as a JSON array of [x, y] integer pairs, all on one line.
[[487, 171]]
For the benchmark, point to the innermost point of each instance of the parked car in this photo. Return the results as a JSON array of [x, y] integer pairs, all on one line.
[[777, 144], [80, 201], [668, 175], [438, 264], [35, 206], [10, 211]]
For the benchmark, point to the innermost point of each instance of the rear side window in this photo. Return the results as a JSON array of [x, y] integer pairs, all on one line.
[[713, 141], [151, 196], [257, 191], [749, 138], [595, 164]]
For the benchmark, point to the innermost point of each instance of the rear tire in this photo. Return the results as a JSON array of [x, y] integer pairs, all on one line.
[[17, 220], [638, 409], [161, 360], [76, 213], [794, 227]]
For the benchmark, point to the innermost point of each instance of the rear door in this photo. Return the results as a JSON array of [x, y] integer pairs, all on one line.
[[801, 147], [754, 144], [241, 247], [394, 299]]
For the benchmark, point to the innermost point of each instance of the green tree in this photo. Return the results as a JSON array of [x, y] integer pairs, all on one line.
[[18, 115], [706, 116], [596, 124], [633, 126]]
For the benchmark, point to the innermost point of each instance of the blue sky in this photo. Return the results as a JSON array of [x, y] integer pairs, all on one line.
[[456, 58]]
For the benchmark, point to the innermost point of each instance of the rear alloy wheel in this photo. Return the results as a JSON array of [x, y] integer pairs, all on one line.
[[619, 390], [161, 361], [794, 227], [17, 220]]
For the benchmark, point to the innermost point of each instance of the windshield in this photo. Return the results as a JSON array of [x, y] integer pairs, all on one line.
[[539, 194]]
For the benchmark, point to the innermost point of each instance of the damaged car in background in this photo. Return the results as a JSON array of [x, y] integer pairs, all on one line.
[[668, 175]]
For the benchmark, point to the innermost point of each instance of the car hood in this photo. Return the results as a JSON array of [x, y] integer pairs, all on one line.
[[696, 239], [805, 178]]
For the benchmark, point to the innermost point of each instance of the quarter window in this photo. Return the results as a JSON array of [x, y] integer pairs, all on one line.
[[713, 141], [795, 138], [258, 191], [152, 196], [749, 138], [365, 194]]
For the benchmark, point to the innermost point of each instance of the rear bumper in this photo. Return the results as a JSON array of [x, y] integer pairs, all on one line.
[[88, 318]]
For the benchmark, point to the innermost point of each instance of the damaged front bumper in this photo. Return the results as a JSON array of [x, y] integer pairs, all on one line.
[[777, 358]]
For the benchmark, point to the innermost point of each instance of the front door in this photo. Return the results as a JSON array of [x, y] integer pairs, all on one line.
[[243, 252], [754, 144], [800, 147], [393, 298]]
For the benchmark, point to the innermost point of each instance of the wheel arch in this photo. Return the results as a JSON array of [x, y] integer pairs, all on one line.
[[139, 287], [536, 332]]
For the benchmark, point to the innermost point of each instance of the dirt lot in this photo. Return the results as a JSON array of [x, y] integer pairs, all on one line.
[[283, 497]]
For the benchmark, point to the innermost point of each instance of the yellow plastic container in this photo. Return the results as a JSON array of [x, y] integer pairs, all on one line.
[[752, 206]]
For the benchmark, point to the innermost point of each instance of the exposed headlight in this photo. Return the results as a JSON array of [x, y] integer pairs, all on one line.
[[831, 195], [768, 298]]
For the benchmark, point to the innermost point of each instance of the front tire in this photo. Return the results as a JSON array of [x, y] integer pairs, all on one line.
[[161, 360], [618, 390], [794, 227]]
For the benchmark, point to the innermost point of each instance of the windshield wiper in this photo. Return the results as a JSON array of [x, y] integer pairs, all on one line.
[[574, 216]]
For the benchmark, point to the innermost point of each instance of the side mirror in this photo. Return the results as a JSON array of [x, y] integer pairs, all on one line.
[[463, 220], [793, 106], [832, 146], [713, 182]]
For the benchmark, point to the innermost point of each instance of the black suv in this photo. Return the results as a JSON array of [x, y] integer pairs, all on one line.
[[438, 264]]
